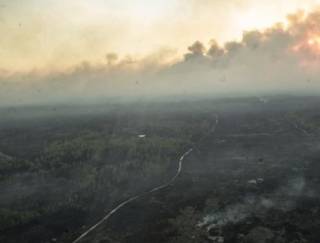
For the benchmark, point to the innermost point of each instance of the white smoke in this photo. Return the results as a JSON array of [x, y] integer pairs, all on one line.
[[276, 60], [282, 199]]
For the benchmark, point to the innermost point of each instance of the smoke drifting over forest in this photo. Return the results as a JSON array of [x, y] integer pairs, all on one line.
[[281, 59]]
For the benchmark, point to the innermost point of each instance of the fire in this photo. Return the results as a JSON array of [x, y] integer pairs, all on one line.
[[308, 51], [314, 45], [310, 44], [314, 41]]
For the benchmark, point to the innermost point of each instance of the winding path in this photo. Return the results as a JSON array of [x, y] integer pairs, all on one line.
[[161, 187]]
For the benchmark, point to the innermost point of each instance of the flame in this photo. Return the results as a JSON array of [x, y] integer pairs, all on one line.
[[310, 44], [307, 49], [314, 42]]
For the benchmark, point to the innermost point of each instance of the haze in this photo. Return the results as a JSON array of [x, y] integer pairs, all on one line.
[[58, 50]]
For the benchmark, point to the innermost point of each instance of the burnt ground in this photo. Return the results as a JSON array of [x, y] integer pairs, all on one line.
[[256, 179]]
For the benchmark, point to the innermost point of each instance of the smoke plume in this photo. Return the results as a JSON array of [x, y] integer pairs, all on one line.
[[284, 58]]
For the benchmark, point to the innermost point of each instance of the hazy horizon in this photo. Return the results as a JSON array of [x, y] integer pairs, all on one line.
[[276, 53]]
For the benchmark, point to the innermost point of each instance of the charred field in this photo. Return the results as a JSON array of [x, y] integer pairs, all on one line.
[[253, 174]]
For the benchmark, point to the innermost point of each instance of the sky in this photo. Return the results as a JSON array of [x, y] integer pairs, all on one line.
[[57, 34], [55, 51]]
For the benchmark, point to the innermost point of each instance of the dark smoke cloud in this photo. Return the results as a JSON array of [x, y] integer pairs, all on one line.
[[197, 49], [276, 60], [215, 51]]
